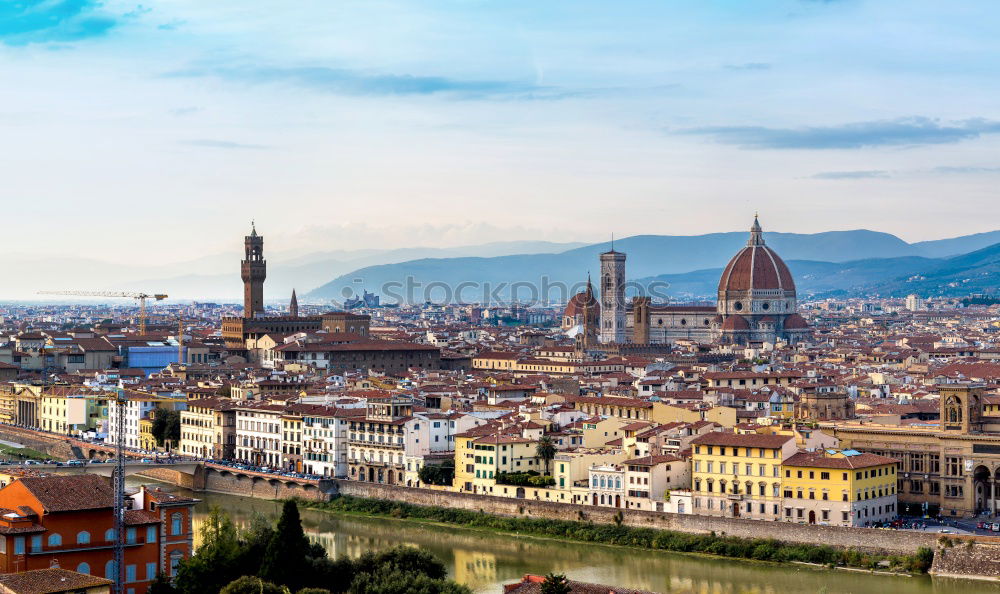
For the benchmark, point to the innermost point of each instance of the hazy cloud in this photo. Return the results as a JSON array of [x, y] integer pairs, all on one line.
[[864, 174], [749, 66], [223, 144], [41, 21], [949, 170], [352, 82], [899, 132]]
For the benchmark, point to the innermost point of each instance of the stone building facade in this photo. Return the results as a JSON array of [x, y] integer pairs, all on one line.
[[954, 469]]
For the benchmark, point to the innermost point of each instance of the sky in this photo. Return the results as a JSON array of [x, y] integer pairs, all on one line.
[[156, 131]]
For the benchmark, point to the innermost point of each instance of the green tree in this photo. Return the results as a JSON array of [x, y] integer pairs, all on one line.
[[387, 580], [555, 583], [402, 558], [161, 585], [218, 559], [437, 474], [286, 558], [546, 450], [166, 426], [252, 585]]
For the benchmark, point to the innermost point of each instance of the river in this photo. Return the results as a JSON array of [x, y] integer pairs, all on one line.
[[483, 560]]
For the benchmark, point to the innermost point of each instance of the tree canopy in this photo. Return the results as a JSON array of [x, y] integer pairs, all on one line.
[[166, 426]]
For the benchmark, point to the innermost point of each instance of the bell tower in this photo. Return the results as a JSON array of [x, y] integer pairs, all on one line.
[[961, 407], [254, 271], [612, 296]]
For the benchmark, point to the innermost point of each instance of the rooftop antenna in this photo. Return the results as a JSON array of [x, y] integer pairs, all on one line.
[[612, 241]]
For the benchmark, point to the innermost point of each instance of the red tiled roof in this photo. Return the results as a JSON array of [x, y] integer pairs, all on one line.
[[49, 581], [718, 438], [70, 493], [820, 460]]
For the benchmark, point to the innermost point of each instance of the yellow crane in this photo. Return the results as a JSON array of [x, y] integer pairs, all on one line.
[[140, 297]]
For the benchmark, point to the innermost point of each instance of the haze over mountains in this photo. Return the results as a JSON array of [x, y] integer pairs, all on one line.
[[217, 276], [835, 262], [840, 262]]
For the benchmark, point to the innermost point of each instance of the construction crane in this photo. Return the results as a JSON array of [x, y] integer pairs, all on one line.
[[141, 297], [118, 484]]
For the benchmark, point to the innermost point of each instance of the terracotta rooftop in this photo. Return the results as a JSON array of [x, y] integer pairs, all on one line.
[[717, 438], [50, 581], [70, 493]]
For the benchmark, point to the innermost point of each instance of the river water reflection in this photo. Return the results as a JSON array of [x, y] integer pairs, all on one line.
[[484, 561]]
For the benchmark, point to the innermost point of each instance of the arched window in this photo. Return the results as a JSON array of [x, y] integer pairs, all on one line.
[[109, 534], [83, 568], [83, 537], [109, 570], [55, 539], [175, 559]]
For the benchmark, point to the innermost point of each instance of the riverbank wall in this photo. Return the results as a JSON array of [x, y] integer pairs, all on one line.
[[979, 560], [864, 539]]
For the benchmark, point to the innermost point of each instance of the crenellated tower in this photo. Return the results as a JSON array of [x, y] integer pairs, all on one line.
[[253, 271]]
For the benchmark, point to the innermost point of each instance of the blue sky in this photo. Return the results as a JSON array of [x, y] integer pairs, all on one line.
[[378, 123]]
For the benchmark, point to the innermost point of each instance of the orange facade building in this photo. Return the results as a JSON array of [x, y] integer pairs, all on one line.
[[68, 522]]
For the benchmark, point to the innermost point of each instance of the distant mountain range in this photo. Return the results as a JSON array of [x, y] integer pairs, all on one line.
[[216, 276], [834, 262]]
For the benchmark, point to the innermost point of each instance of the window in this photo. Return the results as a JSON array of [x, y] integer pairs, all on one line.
[[109, 570], [151, 534], [175, 523], [150, 571], [175, 560], [83, 568], [130, 574], [55, 540], [19, 545], [130, 535], [109, 535], [36, 543]]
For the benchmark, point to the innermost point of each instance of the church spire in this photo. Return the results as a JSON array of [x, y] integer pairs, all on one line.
[[253, 228], [756, 233], [293, 306]]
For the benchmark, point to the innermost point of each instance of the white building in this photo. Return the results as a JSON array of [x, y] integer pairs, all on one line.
[[915, 303], [651, 480], [324, 441], [607, 485], [258, 434]]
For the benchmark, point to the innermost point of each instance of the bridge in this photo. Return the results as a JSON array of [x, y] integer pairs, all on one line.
[[194, 474], [106, 469]]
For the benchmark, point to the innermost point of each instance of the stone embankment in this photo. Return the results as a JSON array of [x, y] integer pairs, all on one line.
[[979, 560]]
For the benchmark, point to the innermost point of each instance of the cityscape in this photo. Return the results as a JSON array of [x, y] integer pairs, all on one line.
[[455, 298]]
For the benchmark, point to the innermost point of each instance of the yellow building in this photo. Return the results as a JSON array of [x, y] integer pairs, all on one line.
[[481, 454], [739, 475], [146, 439], [839, 488]]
